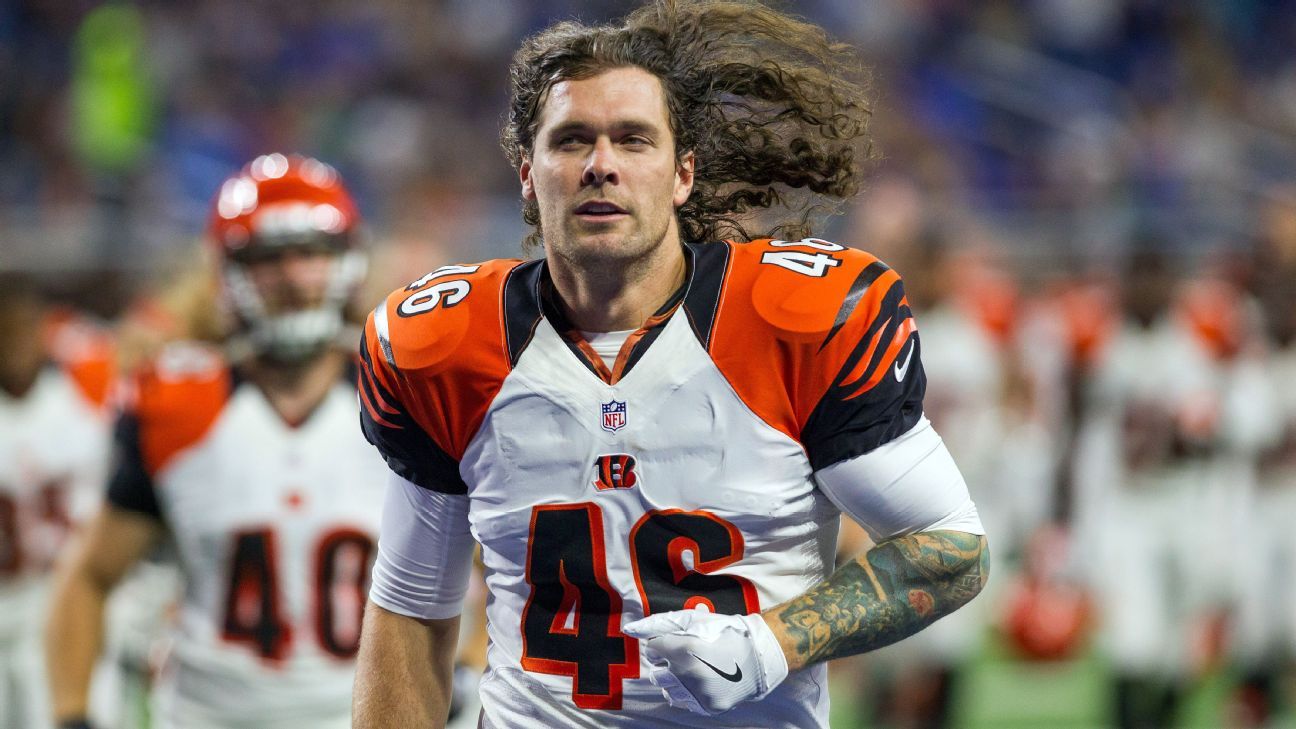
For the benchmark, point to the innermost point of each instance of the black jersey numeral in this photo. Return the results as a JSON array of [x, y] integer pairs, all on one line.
[[571, 625], [11, 551], [254, 604], [341, 584], [253, 613], [45, 512], [659, 542]]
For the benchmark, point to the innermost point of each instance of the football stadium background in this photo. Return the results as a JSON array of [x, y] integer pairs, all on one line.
[[1034, 158]]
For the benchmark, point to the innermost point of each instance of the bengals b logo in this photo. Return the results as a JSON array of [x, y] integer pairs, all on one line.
[[616, 471]]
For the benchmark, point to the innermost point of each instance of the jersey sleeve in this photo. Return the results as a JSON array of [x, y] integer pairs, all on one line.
[[87, 354], [425, 554], [819, 341], [130, 487], [907, 485], [408, 450], [173, 401], [432, 359], [878, 382]]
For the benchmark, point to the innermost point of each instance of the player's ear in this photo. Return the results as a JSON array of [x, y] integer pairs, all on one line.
[[524, 175], [684, 168]]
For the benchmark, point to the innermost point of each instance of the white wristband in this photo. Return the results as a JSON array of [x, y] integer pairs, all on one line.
[[773, 663]]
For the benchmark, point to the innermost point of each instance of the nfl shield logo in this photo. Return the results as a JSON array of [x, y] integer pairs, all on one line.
[[614, 416]]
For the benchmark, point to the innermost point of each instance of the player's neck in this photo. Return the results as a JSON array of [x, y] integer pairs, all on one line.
[[618, 297], [294, 391]]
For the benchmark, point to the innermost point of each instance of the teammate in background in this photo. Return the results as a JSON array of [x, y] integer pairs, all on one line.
[[249, 459], [652, 432], [1266, 641], [54, 442], [1166, 431], [982, 402]]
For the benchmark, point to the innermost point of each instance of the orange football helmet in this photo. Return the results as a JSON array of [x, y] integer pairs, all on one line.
[[278, 201]]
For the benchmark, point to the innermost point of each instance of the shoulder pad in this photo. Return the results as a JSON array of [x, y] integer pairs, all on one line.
[[423, 325], [796, 318], [802, 290], [176, 397], [86, 353]]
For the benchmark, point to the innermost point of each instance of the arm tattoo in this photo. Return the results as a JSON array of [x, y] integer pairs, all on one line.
[[891, 592]]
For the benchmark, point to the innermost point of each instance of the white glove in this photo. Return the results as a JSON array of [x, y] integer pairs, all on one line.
[[710, 663]]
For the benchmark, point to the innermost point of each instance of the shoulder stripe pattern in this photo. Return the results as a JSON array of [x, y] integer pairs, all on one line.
[[371, 396], [406, 447], [880, 345], [862, 283], [383, 330], [710, 264], [808, 339]]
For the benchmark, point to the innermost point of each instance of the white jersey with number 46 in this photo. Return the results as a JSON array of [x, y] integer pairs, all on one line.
[[680, 476]]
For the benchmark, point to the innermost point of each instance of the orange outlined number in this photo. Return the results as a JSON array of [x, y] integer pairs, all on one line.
[[342, 562], [659, 542], [254, 605], [33, 528], [253, 614], [571, 625]]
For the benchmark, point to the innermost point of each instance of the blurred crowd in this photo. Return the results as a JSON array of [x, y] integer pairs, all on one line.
[[1066, 127], [1093, 203]]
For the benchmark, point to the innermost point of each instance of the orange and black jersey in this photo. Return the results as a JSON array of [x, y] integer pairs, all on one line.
[[817, 340]]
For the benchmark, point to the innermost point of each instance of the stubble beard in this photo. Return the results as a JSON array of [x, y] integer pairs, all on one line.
[[626, 258]]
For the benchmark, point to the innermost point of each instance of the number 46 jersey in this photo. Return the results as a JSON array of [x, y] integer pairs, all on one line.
[[275, 525], [681, 476]]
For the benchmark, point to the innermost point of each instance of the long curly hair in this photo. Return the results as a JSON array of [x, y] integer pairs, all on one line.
[[766, 101]]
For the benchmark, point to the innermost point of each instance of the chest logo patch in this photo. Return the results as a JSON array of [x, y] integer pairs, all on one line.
[[615, 471], [614, 416]]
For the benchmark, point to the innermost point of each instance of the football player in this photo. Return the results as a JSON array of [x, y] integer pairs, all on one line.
[[1266, 643], [248, 458], [651, 432], [54, 439], [1167, 417]]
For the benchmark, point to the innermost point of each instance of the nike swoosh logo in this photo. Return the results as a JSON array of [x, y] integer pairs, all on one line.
[[735, 677], [903, 369]]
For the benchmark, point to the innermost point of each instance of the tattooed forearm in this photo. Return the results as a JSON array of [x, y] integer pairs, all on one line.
[[894, 590]]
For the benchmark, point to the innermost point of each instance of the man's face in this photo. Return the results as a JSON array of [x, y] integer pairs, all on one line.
[[603, 169], [294, 278]]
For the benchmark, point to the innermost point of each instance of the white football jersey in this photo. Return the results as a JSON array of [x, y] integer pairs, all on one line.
[[681, 476], [275, 527], [54, 444]]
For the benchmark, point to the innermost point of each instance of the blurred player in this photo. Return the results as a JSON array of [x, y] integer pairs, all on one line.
[[1266, 644], [968, 308], [1169, 410], [1147, 409], [250, 460], [54, 437]]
